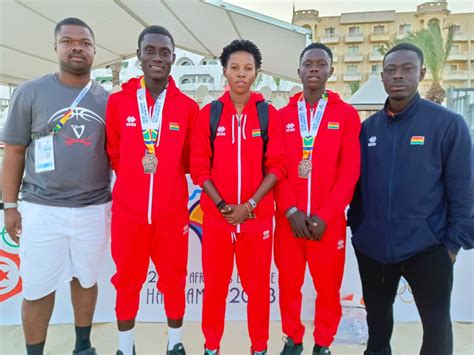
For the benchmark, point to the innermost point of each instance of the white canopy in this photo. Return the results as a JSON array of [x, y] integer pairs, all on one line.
[[200, 26], [371, 95]]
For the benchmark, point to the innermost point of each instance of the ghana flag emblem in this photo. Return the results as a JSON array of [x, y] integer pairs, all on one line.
[[174, 126], [333, 125], [417, 140], [256, 133]]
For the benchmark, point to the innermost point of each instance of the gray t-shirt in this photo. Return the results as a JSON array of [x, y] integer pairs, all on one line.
[[82, 173]]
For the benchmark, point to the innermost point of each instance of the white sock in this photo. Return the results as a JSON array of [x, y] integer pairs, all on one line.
[[174, 336], [126, 340]]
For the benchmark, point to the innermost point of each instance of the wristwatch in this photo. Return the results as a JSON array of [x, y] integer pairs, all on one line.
[[7, 205], [252, 203], [291, 211]]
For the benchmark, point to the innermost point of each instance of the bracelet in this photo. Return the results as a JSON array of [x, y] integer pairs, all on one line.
[[252, 203], [249, 208], [251, 214], [221, 204], [7, 205], [291, 211]]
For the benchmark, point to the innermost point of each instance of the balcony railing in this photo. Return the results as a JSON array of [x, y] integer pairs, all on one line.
[[375, 57], [354, 37], [402, 34], [458, 56], [460, 36], [352, 76], [330, 38], [353, 57], [455, 75], [379, 36]]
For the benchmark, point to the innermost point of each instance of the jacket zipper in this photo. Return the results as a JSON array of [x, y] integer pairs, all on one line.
[[150, 198], [308, 205], [239, 163], [390, 188]]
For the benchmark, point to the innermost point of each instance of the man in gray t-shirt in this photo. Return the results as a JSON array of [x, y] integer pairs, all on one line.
[[63, 222]]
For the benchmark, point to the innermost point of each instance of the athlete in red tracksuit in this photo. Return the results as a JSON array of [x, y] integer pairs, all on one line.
[[150, 217], [233, 183], [315, 230]]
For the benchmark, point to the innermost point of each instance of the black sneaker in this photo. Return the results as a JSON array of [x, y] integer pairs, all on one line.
[[291, 348], [119, 352], [178, 349], [90, 351], [321, 350]]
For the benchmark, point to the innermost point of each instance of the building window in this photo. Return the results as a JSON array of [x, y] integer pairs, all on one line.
[[455, 49], [308, 27], [379, 29], [209, 62], [354, 30], [352, 50], [451, 67], [404, 28], [457, 28], [352, 69], [329, 31], [376, 69], [186, 81], [433, 21], [184, 62], [376, 50]]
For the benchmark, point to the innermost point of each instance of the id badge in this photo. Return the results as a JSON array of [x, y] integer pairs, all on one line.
[[44, 154]]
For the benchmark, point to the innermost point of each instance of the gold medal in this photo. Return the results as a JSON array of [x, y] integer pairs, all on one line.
[[304, 168], [149, 162]]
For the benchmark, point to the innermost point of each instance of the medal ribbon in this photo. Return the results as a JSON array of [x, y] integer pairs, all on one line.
[[307, 135], [69, 112], [150, 125]]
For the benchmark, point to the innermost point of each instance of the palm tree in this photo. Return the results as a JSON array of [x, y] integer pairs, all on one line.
[[435, 50], [277, 81]]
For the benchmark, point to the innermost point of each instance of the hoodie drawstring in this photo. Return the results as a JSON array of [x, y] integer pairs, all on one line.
[[233, 129], [243, 126]]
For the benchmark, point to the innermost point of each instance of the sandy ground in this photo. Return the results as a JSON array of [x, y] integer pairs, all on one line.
[[151, 339]]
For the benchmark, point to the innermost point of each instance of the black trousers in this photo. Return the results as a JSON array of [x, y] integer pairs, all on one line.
[[430, 277]]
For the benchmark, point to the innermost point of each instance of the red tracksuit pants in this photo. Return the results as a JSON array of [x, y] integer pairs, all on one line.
[[253, 253], [325, 259], [165, 241]]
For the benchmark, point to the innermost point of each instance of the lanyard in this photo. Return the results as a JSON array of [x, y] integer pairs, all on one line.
[[150, 125], [308, 135], [69, 112]]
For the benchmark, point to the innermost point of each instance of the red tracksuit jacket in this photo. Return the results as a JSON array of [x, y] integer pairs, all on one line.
[[336, 160], [126, 149], [237, 165]]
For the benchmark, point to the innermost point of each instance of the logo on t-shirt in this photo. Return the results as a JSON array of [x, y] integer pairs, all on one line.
[[81, 118], [333, 125], [131, 121], [220, 131], [290, 127], [417, 140], [266, 234], [372, 141]]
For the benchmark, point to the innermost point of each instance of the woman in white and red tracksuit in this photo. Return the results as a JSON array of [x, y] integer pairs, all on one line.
[[150, 218], [321, 198], [234, 187]]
